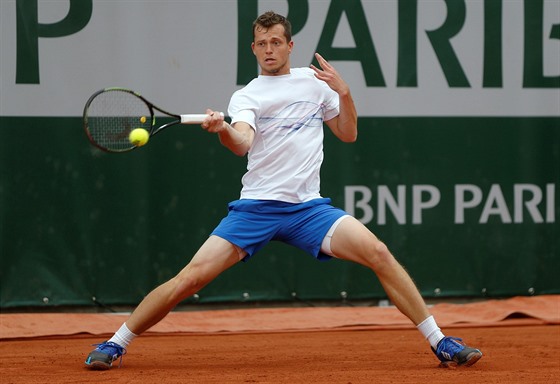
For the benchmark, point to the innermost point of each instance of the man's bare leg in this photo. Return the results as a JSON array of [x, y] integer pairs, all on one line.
[[353, 241], [215, 256]]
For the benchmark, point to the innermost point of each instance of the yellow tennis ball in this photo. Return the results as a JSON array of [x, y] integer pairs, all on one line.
[[143, 119], [139, 137]]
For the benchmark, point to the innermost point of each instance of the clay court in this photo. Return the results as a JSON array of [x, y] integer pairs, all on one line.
[[520, 339]]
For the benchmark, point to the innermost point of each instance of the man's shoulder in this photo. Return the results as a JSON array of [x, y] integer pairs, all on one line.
[[302, 71], [260, 82]]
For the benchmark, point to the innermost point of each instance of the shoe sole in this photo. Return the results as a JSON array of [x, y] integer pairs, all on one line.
[[98, 366], [472, 358]]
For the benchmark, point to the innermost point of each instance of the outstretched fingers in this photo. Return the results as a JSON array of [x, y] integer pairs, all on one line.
[[329, 75]]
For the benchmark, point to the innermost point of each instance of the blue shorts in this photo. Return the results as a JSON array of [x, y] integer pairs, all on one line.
[[251, 224]]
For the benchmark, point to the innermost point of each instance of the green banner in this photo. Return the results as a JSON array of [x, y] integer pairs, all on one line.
[[470, 206]]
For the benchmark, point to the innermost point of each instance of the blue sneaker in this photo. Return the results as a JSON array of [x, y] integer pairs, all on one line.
[[103, 356], [452, 352]]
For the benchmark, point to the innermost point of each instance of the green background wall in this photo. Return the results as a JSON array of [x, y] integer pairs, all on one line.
[[76, 223], [449, 94]]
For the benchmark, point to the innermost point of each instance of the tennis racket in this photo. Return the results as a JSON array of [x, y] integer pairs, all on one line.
[[112, 113]]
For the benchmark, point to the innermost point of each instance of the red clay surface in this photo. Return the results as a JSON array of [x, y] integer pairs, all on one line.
[[518, 354], [520, 339]]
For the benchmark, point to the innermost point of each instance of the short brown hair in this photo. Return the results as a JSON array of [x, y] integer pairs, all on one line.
[[270, 18]]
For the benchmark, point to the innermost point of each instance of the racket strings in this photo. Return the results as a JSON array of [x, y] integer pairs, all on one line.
[[112, 115]]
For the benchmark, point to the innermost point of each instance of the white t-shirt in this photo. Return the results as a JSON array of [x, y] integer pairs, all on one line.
[[287, 114]]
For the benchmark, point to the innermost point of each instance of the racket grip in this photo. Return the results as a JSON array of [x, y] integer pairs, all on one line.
[[194, 118]]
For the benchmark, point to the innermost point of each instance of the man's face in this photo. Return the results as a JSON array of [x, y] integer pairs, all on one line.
[[272, 50]]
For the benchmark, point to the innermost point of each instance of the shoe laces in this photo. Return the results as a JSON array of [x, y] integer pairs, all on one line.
[[112, 349], [450, 345]]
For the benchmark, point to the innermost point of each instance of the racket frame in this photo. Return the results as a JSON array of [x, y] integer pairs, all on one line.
[[178, 119]]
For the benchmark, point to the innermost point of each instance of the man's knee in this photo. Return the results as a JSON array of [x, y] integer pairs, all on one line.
[[187, 283], [379, 255]]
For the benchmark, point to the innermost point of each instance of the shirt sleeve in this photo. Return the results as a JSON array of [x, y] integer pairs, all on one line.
[[332, 105], [242, 108]]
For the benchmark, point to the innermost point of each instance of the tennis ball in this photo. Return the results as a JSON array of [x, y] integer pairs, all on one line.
[[143, 119], [138, 137]]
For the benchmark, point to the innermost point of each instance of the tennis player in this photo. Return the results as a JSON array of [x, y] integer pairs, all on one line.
[[277, 121]]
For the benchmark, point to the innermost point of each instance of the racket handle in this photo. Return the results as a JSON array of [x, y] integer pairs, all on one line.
[[195, 118]]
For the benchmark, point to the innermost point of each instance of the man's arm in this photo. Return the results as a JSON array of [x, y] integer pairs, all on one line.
[[345, 125], [237, 138]]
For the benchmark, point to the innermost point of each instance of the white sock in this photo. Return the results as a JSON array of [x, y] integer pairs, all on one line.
[[431, 331], [123, 336]]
